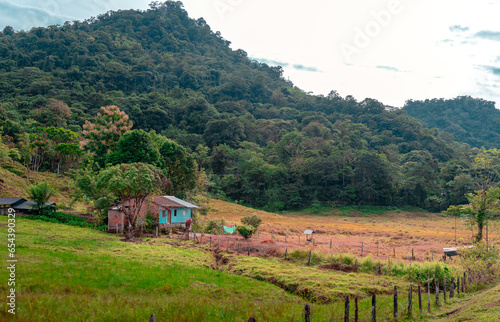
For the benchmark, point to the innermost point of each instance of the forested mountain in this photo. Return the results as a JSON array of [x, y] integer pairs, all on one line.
[[470, 120], [261, 140]]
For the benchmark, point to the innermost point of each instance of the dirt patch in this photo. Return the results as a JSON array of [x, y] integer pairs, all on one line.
[[339, 267]]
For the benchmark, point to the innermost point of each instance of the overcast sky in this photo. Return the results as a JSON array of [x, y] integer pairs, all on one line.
[[390, 50]]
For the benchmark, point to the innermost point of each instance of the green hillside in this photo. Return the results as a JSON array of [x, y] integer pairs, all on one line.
[[259, 139], [470, 120]]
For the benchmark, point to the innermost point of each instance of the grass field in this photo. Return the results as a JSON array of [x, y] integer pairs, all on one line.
[[78, 274], [350, 228]]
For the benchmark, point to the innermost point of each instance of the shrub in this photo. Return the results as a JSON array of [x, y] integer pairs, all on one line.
[[246, 231], [253, 221], [215, 226]]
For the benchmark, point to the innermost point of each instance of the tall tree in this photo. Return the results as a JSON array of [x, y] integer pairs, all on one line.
[[131, 184], [103, 135]]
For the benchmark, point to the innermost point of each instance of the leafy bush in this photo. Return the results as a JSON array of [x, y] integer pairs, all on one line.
[[246, 231], [62, 218], [253, 221], [215, 226]]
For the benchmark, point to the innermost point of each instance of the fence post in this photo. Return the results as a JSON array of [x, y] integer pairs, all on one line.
[[437, 291], [330, 244], [395, 302], [286, 252], [374, 308], [452, 288], [444, 288], [152, 318], [458, 286], [410, 301], [464, 284], [307, 313], [428, 293], [356, 311], [379, 268], [249, 251], [377, 250], [309, 261], [362, 247], [432, 255], [156, 231], [264, 251], [346, 309], [394, 249], [218, 243], [314, 242], [420, 297]]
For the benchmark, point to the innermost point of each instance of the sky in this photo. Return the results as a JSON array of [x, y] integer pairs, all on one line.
[[389, 50]]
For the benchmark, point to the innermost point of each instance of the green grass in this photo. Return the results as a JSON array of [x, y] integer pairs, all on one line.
[[79, 274]]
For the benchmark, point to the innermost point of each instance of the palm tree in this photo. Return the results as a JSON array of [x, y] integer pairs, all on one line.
[[40, 194]]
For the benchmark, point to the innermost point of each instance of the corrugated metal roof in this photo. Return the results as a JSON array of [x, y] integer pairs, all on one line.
[[309, 232], [182, 202], [10, 200], [28, 205]]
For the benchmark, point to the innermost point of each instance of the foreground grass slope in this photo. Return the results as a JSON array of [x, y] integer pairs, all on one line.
[[77, 274]]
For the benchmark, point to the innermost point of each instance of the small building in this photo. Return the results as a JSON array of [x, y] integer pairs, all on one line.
[[21, 206], [169, 211]]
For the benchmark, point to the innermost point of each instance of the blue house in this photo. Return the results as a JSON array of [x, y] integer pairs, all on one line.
[[170, 211]]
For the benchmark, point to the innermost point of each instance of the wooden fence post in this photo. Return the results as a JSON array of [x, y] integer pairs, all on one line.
[[394, 249], [309, 261], [444, 288], [432, 255], [458, 286], [377, 250], [437, 291], [307, 313], [395, 302], [464, 284], [428, 293], [286, 252], [264, 251], [374, 308], [218, 243], [346, 309], [314, 242], [330, 244], [420, 297], [412, 254], [379, 268], [410, 301], [362, 247], [452, 288], [356, 310], [210, 241]]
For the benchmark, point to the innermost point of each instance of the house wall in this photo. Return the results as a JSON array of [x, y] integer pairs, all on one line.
[[116, 217], [183, 214]]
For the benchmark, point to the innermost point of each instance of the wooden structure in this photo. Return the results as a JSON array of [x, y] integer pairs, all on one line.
[[309, 234]]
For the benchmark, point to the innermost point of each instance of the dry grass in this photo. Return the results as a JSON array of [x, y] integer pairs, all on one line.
[[396, 230]]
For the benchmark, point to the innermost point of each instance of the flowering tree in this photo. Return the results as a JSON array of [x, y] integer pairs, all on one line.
[[103, 135]]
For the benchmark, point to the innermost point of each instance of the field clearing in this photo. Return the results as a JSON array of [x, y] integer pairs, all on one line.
[[393, 231]]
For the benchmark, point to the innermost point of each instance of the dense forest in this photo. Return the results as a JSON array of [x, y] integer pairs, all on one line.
[[473, 121], [204, 112]]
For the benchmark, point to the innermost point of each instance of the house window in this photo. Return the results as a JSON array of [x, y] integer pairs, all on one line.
[[175, 213]]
